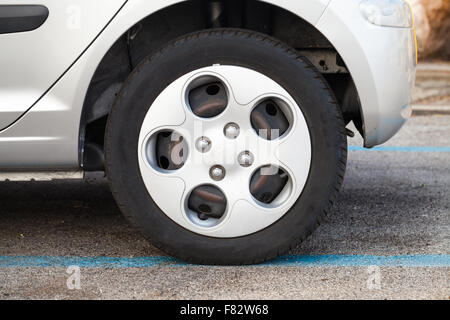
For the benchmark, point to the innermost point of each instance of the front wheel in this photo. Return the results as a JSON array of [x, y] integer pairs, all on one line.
[[225, 147]]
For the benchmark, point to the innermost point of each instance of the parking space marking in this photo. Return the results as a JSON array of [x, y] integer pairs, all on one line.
[[401, 149], [430, 260], [284, 261]]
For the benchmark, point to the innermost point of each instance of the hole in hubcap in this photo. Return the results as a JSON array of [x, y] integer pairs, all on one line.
[[268, 183], [207, 97], [167, 150], [207, 202], [269, 120]]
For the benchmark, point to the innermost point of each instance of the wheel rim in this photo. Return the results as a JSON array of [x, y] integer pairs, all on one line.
[[224, 151]]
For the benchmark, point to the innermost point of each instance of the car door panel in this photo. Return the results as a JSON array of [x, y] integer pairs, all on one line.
[[31, 62]]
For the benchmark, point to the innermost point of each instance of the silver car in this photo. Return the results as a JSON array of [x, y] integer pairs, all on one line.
[[221, 125]]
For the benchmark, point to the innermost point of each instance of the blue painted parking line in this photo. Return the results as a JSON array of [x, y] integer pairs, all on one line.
[[401, 149], [86, 262], [364, 261], [284, 261]]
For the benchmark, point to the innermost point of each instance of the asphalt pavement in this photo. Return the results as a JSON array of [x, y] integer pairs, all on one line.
[[388, 237]]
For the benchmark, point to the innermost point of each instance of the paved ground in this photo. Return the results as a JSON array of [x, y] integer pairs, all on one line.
[[432, 84], [394, 202]]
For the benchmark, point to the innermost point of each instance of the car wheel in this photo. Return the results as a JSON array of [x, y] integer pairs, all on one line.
[[225, 147]]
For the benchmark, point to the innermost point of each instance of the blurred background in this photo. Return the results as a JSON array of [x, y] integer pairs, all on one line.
[[432, 19]]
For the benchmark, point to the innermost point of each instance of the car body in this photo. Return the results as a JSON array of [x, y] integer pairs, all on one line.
[[46, 72], [63, 64]]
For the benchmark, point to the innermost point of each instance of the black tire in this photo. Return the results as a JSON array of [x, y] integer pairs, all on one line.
[[277, 61]]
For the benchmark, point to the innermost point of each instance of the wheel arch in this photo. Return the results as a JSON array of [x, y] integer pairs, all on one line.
[[143, 26]]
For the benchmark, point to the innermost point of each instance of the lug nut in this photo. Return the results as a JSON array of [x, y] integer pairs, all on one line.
[[217, 173], [203, 144], [231, 130], [246, 159]]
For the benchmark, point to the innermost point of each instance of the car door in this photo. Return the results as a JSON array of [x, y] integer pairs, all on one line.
[[39, 41]]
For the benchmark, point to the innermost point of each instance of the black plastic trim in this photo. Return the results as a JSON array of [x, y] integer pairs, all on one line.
[[21, 18]]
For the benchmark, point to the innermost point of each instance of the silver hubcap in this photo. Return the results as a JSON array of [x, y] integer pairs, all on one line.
[[224, 151]]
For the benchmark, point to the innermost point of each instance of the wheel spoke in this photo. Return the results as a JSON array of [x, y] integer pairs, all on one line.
[[294, 153]]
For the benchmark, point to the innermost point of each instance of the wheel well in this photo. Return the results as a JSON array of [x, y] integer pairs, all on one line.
[[189, 16]]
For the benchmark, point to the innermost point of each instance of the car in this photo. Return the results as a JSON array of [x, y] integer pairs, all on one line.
[[221, 125]]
